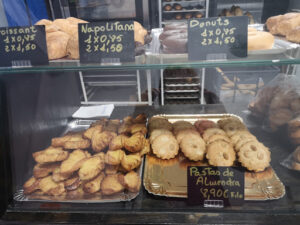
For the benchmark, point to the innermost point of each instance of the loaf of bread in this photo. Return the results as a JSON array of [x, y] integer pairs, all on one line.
[[286, 25], [294, 35]]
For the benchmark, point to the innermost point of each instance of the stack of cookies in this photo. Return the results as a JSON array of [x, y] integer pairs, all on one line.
[[222, 143], [103, 159]]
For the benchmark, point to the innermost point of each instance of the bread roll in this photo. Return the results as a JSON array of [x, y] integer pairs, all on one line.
[[294, 35], [57, 44], [286, 26], [272, 22], [260, 40]]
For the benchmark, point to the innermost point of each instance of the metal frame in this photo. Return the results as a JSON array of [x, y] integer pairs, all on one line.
[[160, 9]]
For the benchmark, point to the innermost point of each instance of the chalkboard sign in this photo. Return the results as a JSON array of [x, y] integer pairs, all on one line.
[[217, 38], [23, 46], [215, 186], [106, 42]]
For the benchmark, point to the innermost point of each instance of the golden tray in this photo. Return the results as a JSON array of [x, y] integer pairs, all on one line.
[[169, 177]]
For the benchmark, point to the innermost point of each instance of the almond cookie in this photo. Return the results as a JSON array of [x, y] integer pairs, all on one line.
[[223, 122], [182, 125], [212, 131], [254, 156], [182, 133], [159, 123], [233, 127], [220, 153], [244, 134], [155, 133], [165, 146], [217, 137], [193, 147]]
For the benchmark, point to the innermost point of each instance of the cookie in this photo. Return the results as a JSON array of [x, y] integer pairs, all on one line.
[[155, 133], [220, 153], [241, 135], [233, 127], [254, 156], [182, 125], [242, 142], [182, 133], [159, 123], [225, 121], [212, 131], [193, 147], [165, 146], [217, 137]]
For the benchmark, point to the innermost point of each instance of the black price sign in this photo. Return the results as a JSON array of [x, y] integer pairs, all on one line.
[[106, 42], [23, 46], [217, 38], [215, 186]]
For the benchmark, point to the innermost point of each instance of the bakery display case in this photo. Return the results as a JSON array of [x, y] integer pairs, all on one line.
[[112, 142]]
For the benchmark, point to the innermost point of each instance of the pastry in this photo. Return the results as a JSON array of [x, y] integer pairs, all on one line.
[[74, 161], [76, 141], [181, 125], [146, 148], [165, 146], [130, 162], [72, 183], [90, 131], [233, 127], [57, 176], [50, 154], [198, 15], [94, 185], [279, 117], [117, 142], [57, 44], [294, 35], [188, 15], [101, 140], [186, 132], [159, 123], [260, 40], [114, 157], [135, 143], [254, 156], [49, 187], [177, 6], [111, 169], [286, 26], [155, 133], [138, 127], [132, 181], [202, 125], [43, 170], [168, 7], [193, 147], [220, 153], [223, 122], [178, 16], [212, 131], [217, 137], [272, 22], [111, 184], [90, 168], [31, 185]]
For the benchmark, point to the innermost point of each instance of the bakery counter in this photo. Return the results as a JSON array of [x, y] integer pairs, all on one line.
[[151, 209]]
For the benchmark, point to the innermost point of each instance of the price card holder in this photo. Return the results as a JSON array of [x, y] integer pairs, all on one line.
[[217, 38], [106, 42], [215, 187], [23, 46]]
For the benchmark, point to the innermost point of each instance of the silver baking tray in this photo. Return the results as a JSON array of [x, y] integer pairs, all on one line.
[[181, 97], [169, 177], [281, 45], [75, 126]]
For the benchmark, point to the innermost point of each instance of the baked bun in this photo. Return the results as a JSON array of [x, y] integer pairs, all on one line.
[[260, 40]]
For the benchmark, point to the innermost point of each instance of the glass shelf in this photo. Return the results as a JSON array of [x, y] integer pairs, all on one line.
[[161, 61]]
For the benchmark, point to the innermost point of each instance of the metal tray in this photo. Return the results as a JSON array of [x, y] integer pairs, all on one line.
[[183, 85], [74, 126], [181, 91], [169, 177], [281, 45]]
